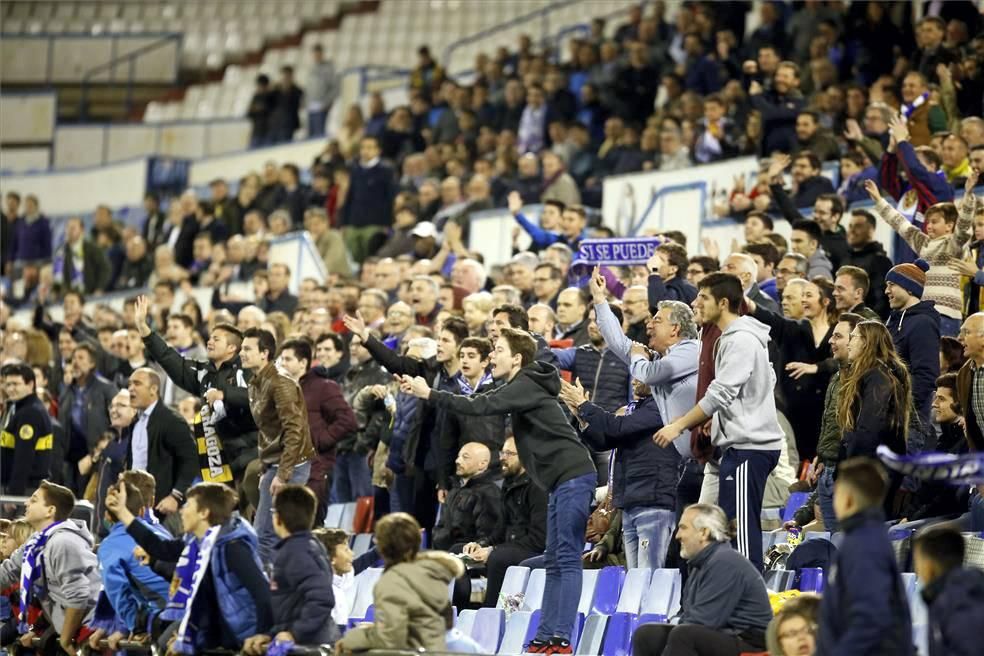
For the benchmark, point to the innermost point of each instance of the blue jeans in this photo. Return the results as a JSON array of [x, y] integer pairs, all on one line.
[[568, 506], [646, 533], [352, 478], [825, 496], [316, 123], [949, 327], [263, 522]]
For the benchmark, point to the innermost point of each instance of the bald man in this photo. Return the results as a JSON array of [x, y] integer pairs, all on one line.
[[473, 503]]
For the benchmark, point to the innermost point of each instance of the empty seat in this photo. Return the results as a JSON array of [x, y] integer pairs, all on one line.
[[593, 636], [618, 635], [513, 583], [533, 599], [778, 580], [466, 620], [364, 583], [810, 579], [589, 581], [348, 517], [607, 590], [663, 594], [488, 628], [361, 544], [514, 637], [636, 584], [333, 518]]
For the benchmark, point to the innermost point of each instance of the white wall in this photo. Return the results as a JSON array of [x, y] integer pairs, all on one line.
[[237, 165], [22, 160], [27, 117], [68, 192]]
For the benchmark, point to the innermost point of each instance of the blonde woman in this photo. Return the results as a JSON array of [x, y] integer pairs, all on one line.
[[478, 311]]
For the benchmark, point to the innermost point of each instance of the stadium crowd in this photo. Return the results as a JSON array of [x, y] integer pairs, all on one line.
[[513, 411]]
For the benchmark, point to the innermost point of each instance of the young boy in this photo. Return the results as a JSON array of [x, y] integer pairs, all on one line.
[[302, 580], [56, 567], [947, 231], [227, 602], [134, 592], [345, 567], [864, 608], [954, 594]]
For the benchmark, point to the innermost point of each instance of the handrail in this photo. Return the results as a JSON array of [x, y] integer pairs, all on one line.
[[373, 73], [542, 13], [130, 58]]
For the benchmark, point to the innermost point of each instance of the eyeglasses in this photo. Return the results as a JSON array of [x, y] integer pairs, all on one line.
[[507, 454]]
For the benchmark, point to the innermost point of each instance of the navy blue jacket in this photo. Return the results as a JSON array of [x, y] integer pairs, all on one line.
[[674, 289], [301, 592], [645, 475], [916, 333], [370, 197], [956, 612], [602, 373], [864, 611], [778, 119]]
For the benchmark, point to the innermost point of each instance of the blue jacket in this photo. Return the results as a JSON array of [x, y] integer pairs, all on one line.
[[134, 590], [674, 289], [235, 602], [645, 475], [956, 612], [916, 334], [370, 197], [602, 373], [864, 611], [406, 421], [301, 590], [32, 241]]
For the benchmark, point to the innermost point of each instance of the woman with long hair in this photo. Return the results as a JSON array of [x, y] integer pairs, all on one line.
[[875, 404], [804, 347]]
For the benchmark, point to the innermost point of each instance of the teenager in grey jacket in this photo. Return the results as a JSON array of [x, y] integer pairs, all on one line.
[[745, 425], [66, 565]]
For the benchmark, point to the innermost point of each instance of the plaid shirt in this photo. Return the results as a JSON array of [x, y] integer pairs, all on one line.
[[977, 392]]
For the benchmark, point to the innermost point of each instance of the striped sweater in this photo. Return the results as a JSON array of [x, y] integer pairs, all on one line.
[[942, 280]]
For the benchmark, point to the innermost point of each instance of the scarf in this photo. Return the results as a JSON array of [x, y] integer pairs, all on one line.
[[908, 109], [188, 575], [32, 567], [466, 387], [77, 279], [212, 460], [962, 469]]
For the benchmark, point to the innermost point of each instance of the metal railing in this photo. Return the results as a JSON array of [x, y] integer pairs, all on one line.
[[130, 59]]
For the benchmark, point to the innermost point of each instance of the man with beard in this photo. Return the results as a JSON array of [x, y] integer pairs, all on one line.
[[635, 309], [521, 530], [471, 508]]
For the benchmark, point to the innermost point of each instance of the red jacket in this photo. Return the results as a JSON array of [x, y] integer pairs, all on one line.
[[329, 416]]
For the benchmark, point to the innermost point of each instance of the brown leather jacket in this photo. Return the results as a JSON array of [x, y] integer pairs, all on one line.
[[278, 408]]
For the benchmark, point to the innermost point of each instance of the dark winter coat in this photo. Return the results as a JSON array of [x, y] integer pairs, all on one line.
[[677, 288], [523, 518], [371, 191], [645, 475], [301, 591], [471, 511], [872, 258], [329, 417], [874, 413], [358, 377], [602, 373], [916, 333], [956, 612]]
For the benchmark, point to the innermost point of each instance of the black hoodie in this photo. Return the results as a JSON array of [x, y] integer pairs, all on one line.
[[548, 446]]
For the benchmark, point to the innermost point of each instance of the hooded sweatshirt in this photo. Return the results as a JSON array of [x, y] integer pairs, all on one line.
[[71, 571], [740, 398], [548, 446], [916, 333], [411, 606]]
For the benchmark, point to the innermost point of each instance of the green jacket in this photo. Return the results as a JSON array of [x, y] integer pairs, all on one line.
[[828, 445]]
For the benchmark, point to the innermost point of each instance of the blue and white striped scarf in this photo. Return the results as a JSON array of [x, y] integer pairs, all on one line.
[[188, 575], [32, 566]]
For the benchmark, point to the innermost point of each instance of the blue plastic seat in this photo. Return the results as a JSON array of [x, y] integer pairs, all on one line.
[[607, 590], [618, 635], [347, 521], [662, 596], [796, 499], [466, 619], [634, 588], [533, 598], [778, 580], [514, 637], [817, 535], [361, 543], [810, 580], [333, 518], [514, 582], [533, 626], [362, 599], [487, 629], [593, 636], [589, 580]]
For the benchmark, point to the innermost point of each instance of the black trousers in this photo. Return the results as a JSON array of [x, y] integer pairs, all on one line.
[[687, 492], [688, 640], [425, 498]]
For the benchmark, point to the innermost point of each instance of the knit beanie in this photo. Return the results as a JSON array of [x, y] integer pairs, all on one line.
[[910, 277]]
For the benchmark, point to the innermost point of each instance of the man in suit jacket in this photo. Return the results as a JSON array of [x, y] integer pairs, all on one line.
[[161, 442]]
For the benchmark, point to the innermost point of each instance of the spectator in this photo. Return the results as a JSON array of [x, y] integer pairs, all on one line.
[[296, 198], [810, 136], [746, 270], [26, 460], [972, 406], [301, 589], [233, 602], [31, 245], [8, 223], [855, 168], [286, 107], [566, 474], [260, 113], [79, 264], [137, 266], [284, 438], [82, 406], [673, 153], [703, 73], [724, 606], [520, 532], [766, 258], [803, 345], [330, 418], [367, 211], [949, 589], [867, 254], [717, 136], [851, 286], [56, 567], [779, 107], [412, 610], [605, 375], [635, 86], [794, 628], [805, 240], [864, 605], [322, 90], [558, 185], [667, 276], [278, 297], [181, 337], [741, 401], [947, 231], [532, 131], [572, 322], [472, 506], [956, 162], [161, 442]]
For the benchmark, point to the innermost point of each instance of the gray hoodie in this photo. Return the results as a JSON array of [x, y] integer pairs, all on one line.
[[740, 398], [819, 265], [71, 571]]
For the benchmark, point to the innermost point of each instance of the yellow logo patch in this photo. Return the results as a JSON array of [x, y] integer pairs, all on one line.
[[26, 432]]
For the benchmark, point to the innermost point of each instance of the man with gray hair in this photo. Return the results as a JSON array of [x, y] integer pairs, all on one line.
[[469, 274], [724, 608], [744, 266]]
